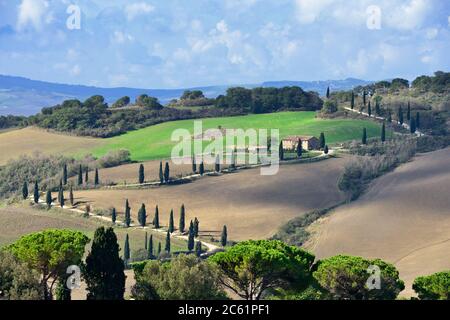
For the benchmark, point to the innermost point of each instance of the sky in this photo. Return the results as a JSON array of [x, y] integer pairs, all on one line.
[[179, 43]]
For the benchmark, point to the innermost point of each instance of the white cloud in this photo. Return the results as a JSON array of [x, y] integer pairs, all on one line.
[[120, 37], [307, 11], [31, 12], [432, 33], [408, 16], [139, 8], [75, 70]]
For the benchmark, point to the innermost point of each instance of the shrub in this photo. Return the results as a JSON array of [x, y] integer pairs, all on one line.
[[433, 287]]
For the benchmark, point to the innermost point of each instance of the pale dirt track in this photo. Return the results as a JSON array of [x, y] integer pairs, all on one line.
[[26, 141], [252, 206], [404, 218]]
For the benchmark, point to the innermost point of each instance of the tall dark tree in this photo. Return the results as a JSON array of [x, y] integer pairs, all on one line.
[[96, 178], [36, 192], [383, 133], [412, 125], [389, 117], [142, 216], [299, 148], [224, 236], [377, 107], [418, 120], [408, 112], [86, 175], [65, 174], [182, 224], [161, 173], [71, 198], [146, 241], [156, 219], [167, 246], [141, 174], [159, 248], [113, 215], [196, 227], [217, 164], [150, 247], [80, 175], [194, 165], [281, 151], [127, 214], [126, 250], [48, 199], [166, 173], [171, 222], [202, 168], [328, 93], [25, 190], [369, 109], [104, 269], [60, 190], [364, 98], [364, 136], [322, 141], [198, 249], [62, 201], [352, 101], [400, 116], [326, 150], [191, 237]]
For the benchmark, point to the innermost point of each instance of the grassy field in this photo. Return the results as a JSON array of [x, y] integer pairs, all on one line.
[[404, 218], [155, 142]]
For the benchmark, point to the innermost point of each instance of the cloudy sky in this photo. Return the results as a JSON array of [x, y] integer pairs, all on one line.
[[179, 43]]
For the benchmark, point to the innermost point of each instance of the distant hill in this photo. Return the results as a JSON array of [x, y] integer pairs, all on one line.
[[22, 96]]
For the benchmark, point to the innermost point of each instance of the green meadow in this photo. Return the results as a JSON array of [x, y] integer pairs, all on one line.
[[154, 142]]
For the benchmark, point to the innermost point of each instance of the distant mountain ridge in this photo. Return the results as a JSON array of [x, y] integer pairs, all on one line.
[[22, 96]]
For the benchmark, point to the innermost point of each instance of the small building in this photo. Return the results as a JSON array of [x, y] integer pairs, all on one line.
[[308, 143]]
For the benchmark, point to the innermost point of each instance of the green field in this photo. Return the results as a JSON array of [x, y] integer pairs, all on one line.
[[155, 142]]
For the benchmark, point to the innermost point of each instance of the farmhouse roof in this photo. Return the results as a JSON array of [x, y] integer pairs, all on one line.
[[295, 138]]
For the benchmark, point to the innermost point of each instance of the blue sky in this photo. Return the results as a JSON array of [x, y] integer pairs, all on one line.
[[178, 43]]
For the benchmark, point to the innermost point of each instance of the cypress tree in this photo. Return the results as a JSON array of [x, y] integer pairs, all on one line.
[[364, 136], [328, 93], [142, 216], [383, 133], [62, 293], [167, 246], [389, 117], [369, 110], [408, 112], [166, 173], [352, 102], [150, 247], [65, 174], [364, 97], [159, 248], [156, 219], [59, 194], [113, 215], [202, 169], [224, 236], [325, 150], [80, 175], [417, 120], [126, 250], [281, 151], [198, 249], [233, 160], [182, 223], [96, 179], [71, 198], [62, 201], [322, 141], [36, 192], [25, 190], [161, 174], [400, 116], [86, 175], [104, 269], [412, 125], [217, 166], [141, 174], [377, 107], [127, 214], [299, 149], [146, 241], [171, 223], [194, 165], [191, 237], [196, 227], [48, 199]]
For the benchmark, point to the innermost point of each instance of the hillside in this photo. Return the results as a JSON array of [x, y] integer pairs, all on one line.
[[404, 218]]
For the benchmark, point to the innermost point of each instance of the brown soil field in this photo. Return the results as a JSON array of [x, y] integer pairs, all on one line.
[[29, 140], [404, 218], [252, 206]]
